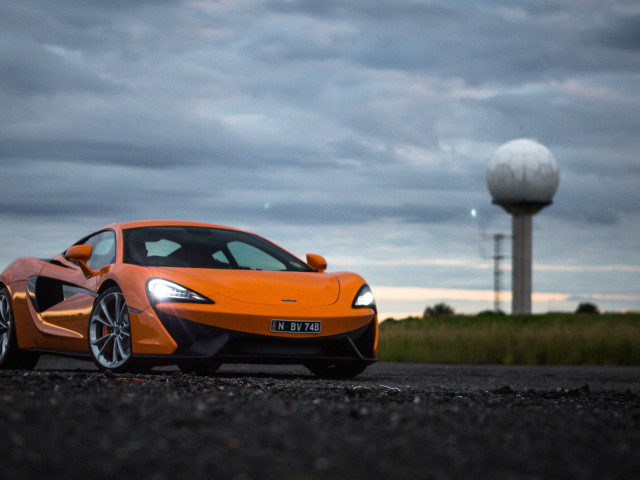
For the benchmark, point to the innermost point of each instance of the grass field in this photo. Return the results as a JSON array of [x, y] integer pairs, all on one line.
[[552, 339]]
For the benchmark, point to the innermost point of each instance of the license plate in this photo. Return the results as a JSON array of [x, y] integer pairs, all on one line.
[[295, 326]]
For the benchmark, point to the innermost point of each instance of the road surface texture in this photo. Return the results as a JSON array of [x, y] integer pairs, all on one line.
[[65, 420]]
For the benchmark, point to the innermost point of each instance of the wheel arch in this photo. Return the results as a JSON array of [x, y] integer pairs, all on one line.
[[107, 285]]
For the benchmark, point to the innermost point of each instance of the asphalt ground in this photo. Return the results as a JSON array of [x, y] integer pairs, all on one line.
[[66, 420]]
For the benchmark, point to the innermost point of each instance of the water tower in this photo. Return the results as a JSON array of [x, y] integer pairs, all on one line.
[[522, 177]]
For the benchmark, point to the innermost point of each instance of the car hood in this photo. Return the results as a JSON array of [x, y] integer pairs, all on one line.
[[255, 286]]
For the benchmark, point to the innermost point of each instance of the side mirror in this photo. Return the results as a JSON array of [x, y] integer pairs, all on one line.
[[317, 262], [81, 255]]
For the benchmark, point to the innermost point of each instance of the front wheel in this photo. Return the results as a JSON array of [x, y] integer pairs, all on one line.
[[109, 332], [11, 357], [337, 371]]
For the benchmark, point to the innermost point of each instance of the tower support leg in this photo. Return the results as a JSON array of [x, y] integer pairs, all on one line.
[[521, 272]]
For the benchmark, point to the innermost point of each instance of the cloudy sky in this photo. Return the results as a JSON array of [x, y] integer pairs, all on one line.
[[359, 130]]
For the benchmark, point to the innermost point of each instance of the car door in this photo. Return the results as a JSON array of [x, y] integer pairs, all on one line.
[[65, 296]]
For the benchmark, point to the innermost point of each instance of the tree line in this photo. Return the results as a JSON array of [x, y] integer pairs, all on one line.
[[445, 310]]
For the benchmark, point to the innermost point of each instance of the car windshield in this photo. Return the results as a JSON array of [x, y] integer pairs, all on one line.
[[202, 247]]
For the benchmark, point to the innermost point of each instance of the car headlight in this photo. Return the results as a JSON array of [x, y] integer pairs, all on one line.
[[364, 298], [160, 290]]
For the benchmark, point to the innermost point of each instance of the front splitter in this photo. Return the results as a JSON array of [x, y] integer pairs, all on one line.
[[196, 340]]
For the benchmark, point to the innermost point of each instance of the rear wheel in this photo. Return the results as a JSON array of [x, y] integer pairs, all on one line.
[[203, 367], [109, 332], [338, 370], [11, 357]]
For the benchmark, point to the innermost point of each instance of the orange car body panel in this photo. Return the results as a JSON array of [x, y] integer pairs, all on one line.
[[243, 301]]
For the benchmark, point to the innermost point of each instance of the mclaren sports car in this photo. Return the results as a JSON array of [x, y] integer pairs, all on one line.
[[135, 295]]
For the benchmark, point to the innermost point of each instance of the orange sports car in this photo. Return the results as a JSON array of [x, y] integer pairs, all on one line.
[[134, 295]]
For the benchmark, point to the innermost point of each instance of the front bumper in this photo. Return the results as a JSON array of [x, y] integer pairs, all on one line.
[[197, 340]]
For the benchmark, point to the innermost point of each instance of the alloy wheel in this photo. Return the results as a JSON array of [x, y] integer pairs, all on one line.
[[110, 331], [5, 325]]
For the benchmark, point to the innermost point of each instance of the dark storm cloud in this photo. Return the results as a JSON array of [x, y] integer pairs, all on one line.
[[620, 33], [66, 191], [328, 214], [102, 153], [134, 153], [354, 9], [562, 115], [70, 207], [27, 69], [591, 215], [489, 41], [77, 23]]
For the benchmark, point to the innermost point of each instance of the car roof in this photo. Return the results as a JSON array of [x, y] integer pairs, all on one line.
[[163, 223]]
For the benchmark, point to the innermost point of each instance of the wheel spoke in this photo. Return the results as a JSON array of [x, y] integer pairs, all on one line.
[[99, 319], [116, 309], [103, 307], [122, 314], [104, 338], [114, 351], [121, 351], [111, 336], [5, 324], [4, 310]]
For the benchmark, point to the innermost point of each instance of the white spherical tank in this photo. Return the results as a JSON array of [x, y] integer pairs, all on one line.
[[522, 171]]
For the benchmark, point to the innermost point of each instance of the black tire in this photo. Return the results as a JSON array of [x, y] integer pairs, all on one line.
[[109, 332], [338, 371], [11, 357], [204, 367], [139, 366]]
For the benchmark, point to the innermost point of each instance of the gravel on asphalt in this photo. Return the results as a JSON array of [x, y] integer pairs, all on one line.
[[65, 420]]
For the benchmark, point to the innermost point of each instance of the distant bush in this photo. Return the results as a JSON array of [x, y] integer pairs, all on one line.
[[438, 310], [486, 313], [588, 308]]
